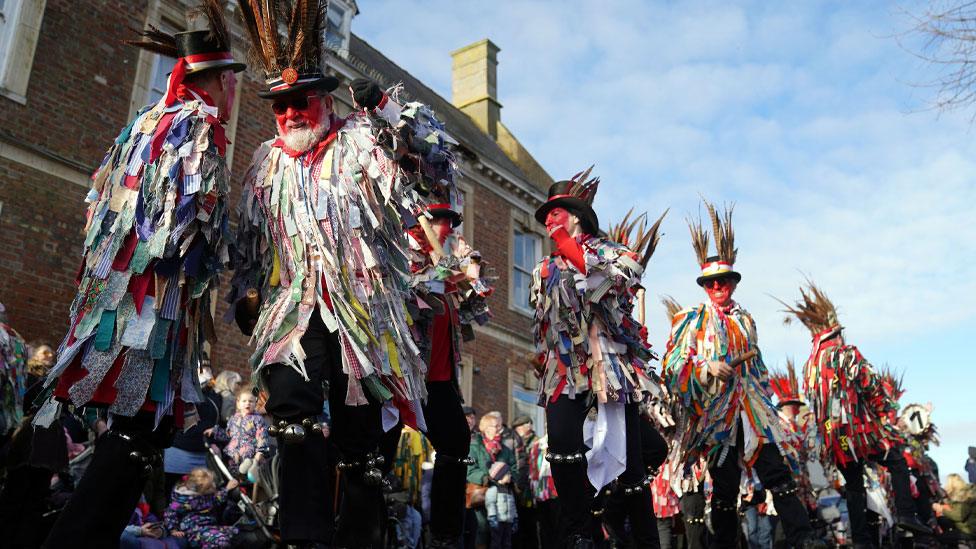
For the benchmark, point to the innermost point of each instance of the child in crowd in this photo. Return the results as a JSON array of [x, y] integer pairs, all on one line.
[[247, 431], [500, 505], [195, 509]]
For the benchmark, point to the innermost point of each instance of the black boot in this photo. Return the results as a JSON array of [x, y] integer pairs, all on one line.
[[796, 522], [447, 499], [911, 524], [579, 542], [725, 523], [361, 521]]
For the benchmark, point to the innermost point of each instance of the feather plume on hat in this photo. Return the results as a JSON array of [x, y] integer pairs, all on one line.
[[156, 41], [671, 307], [163, 43], [784, 384], [814, 310], [643, 241], [299, 48], [584, 187]]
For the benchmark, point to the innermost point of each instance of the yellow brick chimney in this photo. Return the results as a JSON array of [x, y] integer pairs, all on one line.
[[474, 84]]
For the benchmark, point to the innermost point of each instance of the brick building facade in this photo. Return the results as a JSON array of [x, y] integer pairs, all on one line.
[[68, 85]]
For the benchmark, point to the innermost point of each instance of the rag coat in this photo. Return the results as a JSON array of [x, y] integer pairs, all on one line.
[[156, 241], [712, 410]]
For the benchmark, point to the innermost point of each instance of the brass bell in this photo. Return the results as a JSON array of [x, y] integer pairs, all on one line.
[[294, 433], [373, 477], [308, 424], [376, 461], [273, 431], [136, 455]]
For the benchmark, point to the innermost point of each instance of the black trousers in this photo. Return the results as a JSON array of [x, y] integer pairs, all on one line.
[[853, 473], [547, 513], [107, 494], [923, 503], [620, 507], [448, 433], [776, 477], [527, 536], [306, 478], [564, 420], [693, 514]]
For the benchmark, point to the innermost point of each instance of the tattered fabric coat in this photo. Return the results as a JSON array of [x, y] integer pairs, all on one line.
[[584, 327], [852, 406], [156, 241], [13, 376], [713, 410], [323, 233]]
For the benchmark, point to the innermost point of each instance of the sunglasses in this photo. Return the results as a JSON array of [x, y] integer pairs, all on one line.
[[718, 283], [299, 103]]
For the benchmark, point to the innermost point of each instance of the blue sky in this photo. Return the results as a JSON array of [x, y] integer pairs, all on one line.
[[808, 115]]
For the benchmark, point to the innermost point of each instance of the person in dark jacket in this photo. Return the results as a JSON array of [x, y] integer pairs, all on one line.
[[527, 535], [189, 448]]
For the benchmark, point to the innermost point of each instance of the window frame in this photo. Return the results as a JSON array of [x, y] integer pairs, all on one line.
[[517, 230], [18, 44], [516, 384], [349, 10]]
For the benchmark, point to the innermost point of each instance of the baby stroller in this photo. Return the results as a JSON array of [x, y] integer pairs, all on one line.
[[258, 514]]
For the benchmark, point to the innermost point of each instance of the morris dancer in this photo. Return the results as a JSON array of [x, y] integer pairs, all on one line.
[[156, 241], [451, 298], [590, 353], [853, 408], [789, 401], [322, 273], [714, 369]]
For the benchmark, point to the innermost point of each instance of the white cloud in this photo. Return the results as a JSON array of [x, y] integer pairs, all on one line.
[[801, 113]]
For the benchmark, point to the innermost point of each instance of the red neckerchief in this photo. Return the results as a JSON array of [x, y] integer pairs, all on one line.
[[492, 445], [334, 128], [185, 92], [726, 309]]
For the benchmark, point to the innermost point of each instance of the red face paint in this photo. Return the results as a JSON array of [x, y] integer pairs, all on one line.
[[720, 290], [559, 217], [442, 227], [295, 118]]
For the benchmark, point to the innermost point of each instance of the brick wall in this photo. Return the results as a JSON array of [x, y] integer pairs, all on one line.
[[71, 118]]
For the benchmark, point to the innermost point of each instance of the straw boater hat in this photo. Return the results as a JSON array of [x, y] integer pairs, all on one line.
[[576, 196], [292, 64], [715, 266], [195, 51]]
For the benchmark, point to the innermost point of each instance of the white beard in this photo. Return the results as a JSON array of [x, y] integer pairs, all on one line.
[[303, 139]]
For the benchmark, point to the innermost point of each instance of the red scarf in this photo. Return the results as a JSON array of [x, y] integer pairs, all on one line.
[[492, 445]]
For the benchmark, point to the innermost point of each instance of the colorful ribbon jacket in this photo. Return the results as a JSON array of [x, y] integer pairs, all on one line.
[[323, 233], [449, 301], [156, 241], [852, 407], [13, 376], [714, 411], [584, 330]]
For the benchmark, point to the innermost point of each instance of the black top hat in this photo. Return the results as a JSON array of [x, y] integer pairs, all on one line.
[[445, 211], [575, 195], [290, 81], [204, 51], [714, 268]]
